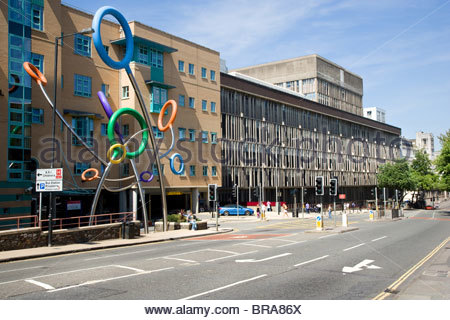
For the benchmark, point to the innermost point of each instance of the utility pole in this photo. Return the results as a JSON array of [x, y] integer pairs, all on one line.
[[376, 201], [384, 200], [303, 207]]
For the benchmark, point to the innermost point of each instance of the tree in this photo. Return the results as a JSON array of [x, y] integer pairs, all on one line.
[[422, 173], [443, 161], [397, 175]]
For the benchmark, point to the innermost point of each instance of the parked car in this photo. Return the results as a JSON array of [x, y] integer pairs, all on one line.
[[232, 210]]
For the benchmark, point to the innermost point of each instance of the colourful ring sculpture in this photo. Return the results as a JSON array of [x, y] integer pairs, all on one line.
[[96, 24], [83, 175], [35, 73], [172, 116], [108, 110], [142, 123], [172, 165], [122, 156], [142, 176]]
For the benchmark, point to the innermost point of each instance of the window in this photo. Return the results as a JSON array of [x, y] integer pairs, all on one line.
[[157, 133], [105, 89], [37, 13], [214, 171], [142, 54], [181, 65], [182, 133], [204, 105], [213, 106], [38, 61], [104, 129], [37, 116], [213, 137], [191, 135], [125, 130], [82, 85], [205, 171], [82, 45], [126, 169], [204, 73], [192, 171], [191, 102], [158, 98], [84, 127], [79, 167], [181, 100], [156, 58], [213, 75], [155, 169], [205, 136], [125, 92], [191, 69]]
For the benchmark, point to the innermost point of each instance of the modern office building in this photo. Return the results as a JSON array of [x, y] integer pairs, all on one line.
[[375, 113], [276, 139], [317, 78], [165, 66]]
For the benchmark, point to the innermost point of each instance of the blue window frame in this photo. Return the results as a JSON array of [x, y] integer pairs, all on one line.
[[38, 61], [142, 54], [104, 129], [125, 130], [79, 167], [192, 171], [213, 106], [214, 171], [82, 45], [191, 135], [37, 17], [82, 85], [205, 136], [213, 137], [125, 92], [182, 133], [159, 97], [84, 127], [181, 100], [157, 133], [204, 105], [156, 58], [105, 89], [191, 69], [205, 171], [203, 73], [191, 102], [155, 170], [213, 75], [37, 116], [181, 65]]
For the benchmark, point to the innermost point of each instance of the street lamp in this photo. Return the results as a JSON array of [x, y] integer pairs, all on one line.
[[55, 77]]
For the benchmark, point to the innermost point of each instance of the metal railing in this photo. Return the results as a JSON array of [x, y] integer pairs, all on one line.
[[64, 223]]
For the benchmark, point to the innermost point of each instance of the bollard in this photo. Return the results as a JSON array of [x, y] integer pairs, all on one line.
[[371, 215], [319, 222], [344, 220]]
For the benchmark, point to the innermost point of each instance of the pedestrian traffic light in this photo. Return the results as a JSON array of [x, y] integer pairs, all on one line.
[[333, 187], [212, 194], [256, 191], [234, 191], [319, 186]]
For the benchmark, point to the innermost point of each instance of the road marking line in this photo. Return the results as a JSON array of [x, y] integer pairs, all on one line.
[[40, 284], [379, 238], [184, 260], [358, 245], [290, 244], [406, 275], [4, 271], [330, 235], [265, 259], [252, 244], [129, 268], [309, 261], [117, 255], [238, 254], [216, 250], [225, 287], [108, 279]]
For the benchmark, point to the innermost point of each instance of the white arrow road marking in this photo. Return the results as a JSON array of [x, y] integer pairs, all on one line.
[[360, 266], [265, 259]]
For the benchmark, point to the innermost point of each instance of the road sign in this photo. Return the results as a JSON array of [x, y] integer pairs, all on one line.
[[342, 196], [48, 180]]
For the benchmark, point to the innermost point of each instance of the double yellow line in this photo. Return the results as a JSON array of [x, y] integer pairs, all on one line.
[[405, 276]]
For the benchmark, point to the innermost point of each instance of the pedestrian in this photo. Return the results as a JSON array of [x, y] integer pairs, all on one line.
[[307, 208], [191, 219], [285, 209], [258, 211], [353, 207], [329, 212], [269, 206]]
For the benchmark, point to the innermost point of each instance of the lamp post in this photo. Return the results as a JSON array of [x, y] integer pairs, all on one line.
[[52, 207]]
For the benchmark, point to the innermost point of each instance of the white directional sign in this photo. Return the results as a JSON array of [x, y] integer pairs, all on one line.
[[48, 180], [360, 266]]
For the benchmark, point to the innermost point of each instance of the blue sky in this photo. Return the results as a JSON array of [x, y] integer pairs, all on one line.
[[401, 48]]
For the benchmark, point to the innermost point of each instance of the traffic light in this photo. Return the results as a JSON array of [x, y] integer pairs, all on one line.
[[319, 186], [372, 192], [256, 191], [234, 191], [333, 187], [212, 188]]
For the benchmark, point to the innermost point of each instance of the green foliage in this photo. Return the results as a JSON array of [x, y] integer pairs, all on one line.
[[443, 161], [421, 164], [397, 175], [174, 218], [422, 173]]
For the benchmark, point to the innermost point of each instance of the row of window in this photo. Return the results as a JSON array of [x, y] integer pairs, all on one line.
[[191, 70], [182, 103]]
